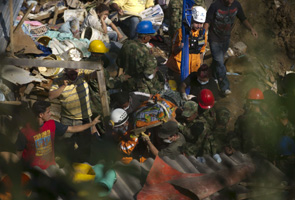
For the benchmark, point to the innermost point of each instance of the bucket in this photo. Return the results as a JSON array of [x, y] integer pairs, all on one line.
[[50, 71], [83, 172], [44, 40], [93, 34], [106, 182]]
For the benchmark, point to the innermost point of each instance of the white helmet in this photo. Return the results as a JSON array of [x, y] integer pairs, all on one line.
[[118, 117], [199, 14]]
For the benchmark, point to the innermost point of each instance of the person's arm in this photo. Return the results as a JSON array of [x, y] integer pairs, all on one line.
[[153, 149], [178, 49], [21, 143], [182, 87], [56, 93], [79, 128], [114, 27], [206, 26], [103, 24], [151, 146], [176, 42], [201, 58], [115, 6], [250, 28]]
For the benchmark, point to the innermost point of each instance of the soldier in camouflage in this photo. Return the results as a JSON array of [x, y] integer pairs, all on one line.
[[136, 60], [286, 127], [195, 129], [257, 132], [219, 137]]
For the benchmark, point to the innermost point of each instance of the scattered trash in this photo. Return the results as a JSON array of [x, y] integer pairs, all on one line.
[[240, 48], [232, 73], [17, 75], [48, 72]]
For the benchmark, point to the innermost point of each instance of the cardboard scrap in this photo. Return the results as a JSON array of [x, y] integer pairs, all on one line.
[[23, 42]]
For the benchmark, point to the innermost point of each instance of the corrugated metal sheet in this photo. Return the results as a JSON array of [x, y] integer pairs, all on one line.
[[5, 21], [131, 178]]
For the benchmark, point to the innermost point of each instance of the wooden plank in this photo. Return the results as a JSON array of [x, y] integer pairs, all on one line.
[[55, 15], [11, 27], [24, 18], [15, 103], [24, 62], [48, 15], [103, 91]]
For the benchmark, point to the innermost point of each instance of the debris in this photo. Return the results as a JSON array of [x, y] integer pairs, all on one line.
[[240, 48], [17, 75], [80, 14], [46, 14], [29, 88], [48, 72], [24, 43], [154, 14]]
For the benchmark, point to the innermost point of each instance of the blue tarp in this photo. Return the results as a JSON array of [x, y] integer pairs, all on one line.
[[186, 22]]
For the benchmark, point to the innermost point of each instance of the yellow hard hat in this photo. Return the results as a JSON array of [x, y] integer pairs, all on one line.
[[97, 46]]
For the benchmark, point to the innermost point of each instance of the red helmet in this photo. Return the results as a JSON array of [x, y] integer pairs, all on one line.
[[206, 99], [255, 94]]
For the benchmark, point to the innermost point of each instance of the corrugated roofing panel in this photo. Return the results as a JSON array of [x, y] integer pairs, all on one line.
[[5, 21], [131, 178]]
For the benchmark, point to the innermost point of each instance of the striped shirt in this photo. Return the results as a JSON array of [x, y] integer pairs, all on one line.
[[75, 101]]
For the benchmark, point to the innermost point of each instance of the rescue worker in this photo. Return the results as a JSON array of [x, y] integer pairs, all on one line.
[[136, 59], [206, 102], [168, 142], [98, 53], [199, 80], [127, 143], [218, 140], [197, 45], [256, 131], [194, 129], [175, 14]]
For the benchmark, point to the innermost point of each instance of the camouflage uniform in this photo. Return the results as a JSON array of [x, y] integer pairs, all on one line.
[[257, 133], [136, 60], [210, 116], [218, 138], [195, 132]]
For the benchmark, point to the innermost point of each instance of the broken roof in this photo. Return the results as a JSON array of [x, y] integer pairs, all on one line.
[[132, 177]]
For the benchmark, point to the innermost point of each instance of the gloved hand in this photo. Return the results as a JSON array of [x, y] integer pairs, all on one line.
[[217, 158], [201, 159], [184, 96], [145, 137]]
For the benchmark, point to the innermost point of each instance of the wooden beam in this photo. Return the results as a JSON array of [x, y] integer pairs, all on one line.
[[24, 18], [103, 91], [24, 62], [11, 27], [55, 14], [15, 103], [48, 15]]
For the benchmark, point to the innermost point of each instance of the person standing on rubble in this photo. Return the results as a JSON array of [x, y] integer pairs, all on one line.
[[72, 89], [128, 11], [198, 81], [197, 45], [35, 142], [98, 53], [256, 131], [136, 59], [219, 21]]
